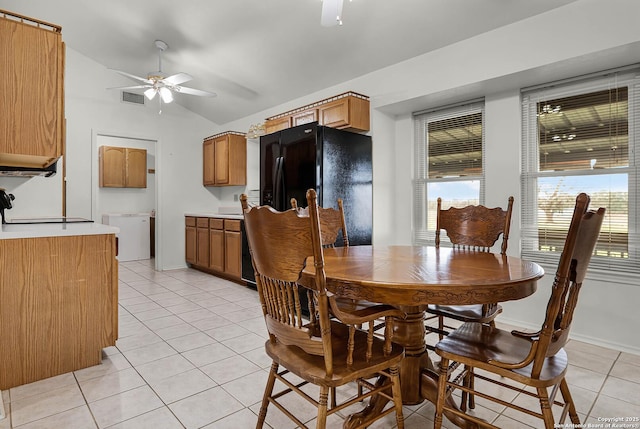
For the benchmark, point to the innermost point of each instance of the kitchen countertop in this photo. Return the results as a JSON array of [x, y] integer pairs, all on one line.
[[9, 231], [218, 215]]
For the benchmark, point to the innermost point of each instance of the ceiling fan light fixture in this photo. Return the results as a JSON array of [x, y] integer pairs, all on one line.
[[166, 95], [150, 93]]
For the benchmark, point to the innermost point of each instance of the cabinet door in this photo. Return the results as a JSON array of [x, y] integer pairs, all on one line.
[[221, 160], [208, 163], [112, 166], [202, 251], [191, 248], [233, 250], [136, 168], [32, 100], [304, 117], [273, 125], [216, 245], [335, 114]]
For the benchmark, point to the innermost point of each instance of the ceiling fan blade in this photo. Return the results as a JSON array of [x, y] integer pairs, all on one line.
[[331, 13], [131, 76], [177, 78], [130, 87], [192, 91]]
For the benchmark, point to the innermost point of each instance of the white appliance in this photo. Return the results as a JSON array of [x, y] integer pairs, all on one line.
[[134, 237]]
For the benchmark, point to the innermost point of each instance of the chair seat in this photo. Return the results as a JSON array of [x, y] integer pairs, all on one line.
[[479, 346], [465, 313], [313, 368]]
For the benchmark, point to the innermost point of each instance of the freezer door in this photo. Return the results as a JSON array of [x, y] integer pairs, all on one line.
[[300, 170], [347, 173]]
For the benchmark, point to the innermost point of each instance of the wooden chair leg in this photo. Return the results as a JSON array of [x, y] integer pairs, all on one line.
[[545, 406], [322, 408], [566, 396], [442, 392], [472, 385], [441, 327], [397, 395], [268, 391]]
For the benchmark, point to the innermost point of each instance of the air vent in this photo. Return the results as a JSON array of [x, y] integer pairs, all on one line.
[[132, 97]]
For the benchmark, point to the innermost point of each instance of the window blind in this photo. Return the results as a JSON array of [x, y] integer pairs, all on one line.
[[449, 163], [582, 137]]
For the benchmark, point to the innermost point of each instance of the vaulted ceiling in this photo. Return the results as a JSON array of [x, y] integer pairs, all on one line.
[[256, 54]]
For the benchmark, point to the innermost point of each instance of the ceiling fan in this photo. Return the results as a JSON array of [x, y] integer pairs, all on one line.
[[158, 83]]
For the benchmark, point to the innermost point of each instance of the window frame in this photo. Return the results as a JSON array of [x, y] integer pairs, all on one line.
[[600, 265], [421, 234]]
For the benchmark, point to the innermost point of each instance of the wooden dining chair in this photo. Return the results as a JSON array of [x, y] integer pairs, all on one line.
[[332, 223], [475, 228], [324, 351], [536, 360]]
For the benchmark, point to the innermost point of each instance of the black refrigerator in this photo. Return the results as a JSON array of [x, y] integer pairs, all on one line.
[[336, 163]]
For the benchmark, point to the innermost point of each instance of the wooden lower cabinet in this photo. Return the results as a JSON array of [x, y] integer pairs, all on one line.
[[191, 245], [232, 248], [202, 240], [214, 245], [58, 305]]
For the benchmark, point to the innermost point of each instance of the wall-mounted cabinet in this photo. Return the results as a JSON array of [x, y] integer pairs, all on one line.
[[214, 245], [122, 167], [277, 124], [224, 160], [32, 83], [348, 111]]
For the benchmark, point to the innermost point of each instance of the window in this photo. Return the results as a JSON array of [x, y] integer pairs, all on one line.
[[449, 163], [580, 137]]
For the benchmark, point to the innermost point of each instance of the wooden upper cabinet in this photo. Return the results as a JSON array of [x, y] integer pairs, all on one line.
[[224, 160], [208, 164], [136, 168], [277, 124], [32, 87], [348, 111], [304, 117], [123, 167], [112, 160], [221, 160]]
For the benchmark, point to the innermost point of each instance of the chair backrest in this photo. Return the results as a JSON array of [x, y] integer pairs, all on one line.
[[572, 267], [474, 227], [280, 243], [332, 223], [579, 246]]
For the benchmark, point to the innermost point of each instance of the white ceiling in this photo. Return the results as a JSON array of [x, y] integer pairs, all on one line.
[[257, 54]]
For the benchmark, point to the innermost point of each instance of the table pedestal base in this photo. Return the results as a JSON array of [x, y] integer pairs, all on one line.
[[418, 377]]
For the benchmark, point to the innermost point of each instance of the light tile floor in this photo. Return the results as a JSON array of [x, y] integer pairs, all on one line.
[[190, 355]]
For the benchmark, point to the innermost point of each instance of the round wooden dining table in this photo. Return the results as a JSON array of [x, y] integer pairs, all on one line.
[[412, 277]]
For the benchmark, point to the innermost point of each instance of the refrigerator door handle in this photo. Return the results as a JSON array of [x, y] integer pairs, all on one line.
[[278, 184]]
